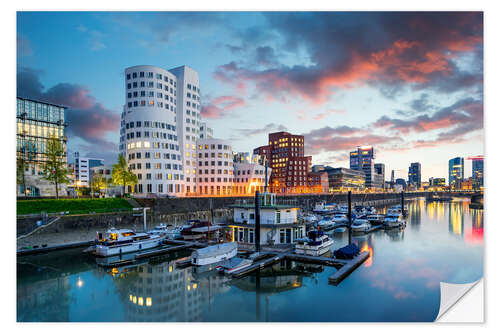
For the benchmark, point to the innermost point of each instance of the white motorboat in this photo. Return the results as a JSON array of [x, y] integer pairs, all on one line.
[[169, 231], [370, 210], [359, 210], [118, 241], [376, 218], [326, 223], [360, 225], [343, 209], [315, 244], [340, 219], [324, 208], [234, 265], [394, 219], [196, 229], [214, 254], [310, 218]]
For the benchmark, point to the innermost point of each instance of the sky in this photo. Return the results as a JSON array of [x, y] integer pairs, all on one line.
[[410, 84]]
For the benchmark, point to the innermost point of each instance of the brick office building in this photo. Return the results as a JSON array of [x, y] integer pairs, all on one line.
[[291, 169]]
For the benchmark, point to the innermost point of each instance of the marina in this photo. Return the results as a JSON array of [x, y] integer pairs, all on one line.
[[384, 255]]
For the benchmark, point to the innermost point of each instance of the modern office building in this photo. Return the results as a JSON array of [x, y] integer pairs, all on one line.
[[437, 182], [247, 157], [250, 177], [206, 132], [160, 125], [36, 122], [82, 169], [285, 155], [343, 179], [401, 182], [317, 182], [363, 159], [477, 172], [415, 175], [455, 172], [379, 174], [215, 167]]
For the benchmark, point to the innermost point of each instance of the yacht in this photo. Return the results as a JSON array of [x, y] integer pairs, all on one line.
[[343, 209], [315, 244], [118, 241], [360, 224], [376, 218], [196, 229], [214, 254], [310, 218], [234, 265], [326, 223], [169, 231], [340, 219], [324, 208], [393, 219], [370, 210], [359, 210]]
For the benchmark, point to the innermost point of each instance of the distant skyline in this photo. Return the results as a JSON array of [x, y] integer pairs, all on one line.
[[410, 84]]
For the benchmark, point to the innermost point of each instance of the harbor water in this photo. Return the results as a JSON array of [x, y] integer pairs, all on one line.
[[442, 242]]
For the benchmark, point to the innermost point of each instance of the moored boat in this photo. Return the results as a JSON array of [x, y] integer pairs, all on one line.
[[214, 254], [118, 241], [360, 224], [340, 219], [376, 219], [324, 208], [196, 229], [393, 219], [315, 244], [234, 265], [326, 223]]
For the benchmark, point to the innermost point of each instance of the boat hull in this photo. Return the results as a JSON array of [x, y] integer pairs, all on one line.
[[113, 250], [317, 250]]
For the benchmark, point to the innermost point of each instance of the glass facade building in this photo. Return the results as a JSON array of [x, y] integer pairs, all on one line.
[[37, 122], [415, 175], [455, 171], [477, 173]]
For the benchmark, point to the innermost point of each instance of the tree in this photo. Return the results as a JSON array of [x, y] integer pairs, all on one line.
[[121, 174], [98, 183], [55, 168], [20, 173]]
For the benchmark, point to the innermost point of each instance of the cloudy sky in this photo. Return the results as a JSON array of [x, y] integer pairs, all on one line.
[[410, 84]]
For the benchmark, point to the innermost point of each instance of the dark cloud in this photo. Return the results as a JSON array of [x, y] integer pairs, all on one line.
[[387, 50], [86, 118], [342, 138]]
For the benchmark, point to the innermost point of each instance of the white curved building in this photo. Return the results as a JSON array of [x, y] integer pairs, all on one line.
[[159, 128], [215, 167]]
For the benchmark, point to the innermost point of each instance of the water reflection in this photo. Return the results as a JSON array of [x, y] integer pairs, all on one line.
[[456, 218], [161, 292], [399, 282]]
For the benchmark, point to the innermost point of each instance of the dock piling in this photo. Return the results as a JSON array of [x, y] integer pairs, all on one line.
[[257, 222]]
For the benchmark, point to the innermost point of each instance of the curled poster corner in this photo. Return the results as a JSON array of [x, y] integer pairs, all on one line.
[[451, 294]]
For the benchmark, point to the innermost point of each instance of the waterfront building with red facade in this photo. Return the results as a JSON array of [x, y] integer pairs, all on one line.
[[291, 169]]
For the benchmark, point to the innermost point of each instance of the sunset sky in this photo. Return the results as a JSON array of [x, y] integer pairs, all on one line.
[[410, 84]]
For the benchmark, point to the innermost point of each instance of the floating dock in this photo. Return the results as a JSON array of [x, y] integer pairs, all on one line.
[[259, 265], [348, 268], [46, 249]]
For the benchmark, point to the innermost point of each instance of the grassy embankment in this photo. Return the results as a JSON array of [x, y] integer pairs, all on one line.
[[73, 206]]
